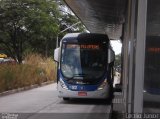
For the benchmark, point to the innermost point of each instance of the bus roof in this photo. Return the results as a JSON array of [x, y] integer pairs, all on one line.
[[72, 37]]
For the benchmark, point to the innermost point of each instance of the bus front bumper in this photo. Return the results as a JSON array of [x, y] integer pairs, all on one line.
[[97, 94]]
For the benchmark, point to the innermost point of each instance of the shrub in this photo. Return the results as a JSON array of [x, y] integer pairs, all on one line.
[[46, 66], [35, 70]]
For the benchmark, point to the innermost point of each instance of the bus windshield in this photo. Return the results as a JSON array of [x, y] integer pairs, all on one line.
[[85, 63]]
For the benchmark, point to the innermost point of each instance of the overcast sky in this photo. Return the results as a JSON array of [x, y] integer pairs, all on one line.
[[116, 46]]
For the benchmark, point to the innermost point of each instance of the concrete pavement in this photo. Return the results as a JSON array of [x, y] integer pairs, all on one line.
[[43, 103]]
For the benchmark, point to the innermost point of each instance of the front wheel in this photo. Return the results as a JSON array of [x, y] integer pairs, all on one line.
[[111, 95], [65, 99], [111, 92]]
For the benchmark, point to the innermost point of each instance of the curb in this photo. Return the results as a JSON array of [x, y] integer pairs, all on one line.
[[24, 88]]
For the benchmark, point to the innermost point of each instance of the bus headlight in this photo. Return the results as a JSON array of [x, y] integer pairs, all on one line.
[[101, 87], [63, 85]]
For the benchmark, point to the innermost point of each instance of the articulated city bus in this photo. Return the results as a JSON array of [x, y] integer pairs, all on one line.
[[85, 66]]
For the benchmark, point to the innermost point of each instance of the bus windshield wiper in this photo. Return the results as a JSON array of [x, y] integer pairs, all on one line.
[[79, 75]]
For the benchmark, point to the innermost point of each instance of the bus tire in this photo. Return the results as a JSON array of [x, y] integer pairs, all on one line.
[[111, 94], [65, 99]]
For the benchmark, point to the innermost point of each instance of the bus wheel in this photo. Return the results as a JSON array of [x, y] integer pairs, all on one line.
[[111, 95], [65, 99]]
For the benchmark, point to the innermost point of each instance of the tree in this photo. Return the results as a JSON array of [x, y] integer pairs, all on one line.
[[32, 26], [118, 60], [67, 19], [25, 22]]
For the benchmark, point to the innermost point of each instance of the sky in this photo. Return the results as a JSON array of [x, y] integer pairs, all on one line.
[[116, 46]]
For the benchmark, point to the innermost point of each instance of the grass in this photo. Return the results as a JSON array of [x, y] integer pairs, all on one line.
[[35, 70]]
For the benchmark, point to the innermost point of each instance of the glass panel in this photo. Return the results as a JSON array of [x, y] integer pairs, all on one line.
[[81, 61], [152, 59]]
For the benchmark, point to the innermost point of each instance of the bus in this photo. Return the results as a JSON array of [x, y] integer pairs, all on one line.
[[85, 66]]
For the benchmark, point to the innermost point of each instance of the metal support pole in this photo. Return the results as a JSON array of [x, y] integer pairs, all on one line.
[[69, 27], [131, 41], [140, 56], [57, 42], [57, 39]]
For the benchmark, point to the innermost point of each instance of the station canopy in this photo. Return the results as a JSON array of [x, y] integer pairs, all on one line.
[[109, 16], [101, 16]]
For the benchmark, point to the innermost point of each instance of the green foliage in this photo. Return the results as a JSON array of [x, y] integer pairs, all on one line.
[[68, 19], [32, 26], [23, 23], [117, 60]]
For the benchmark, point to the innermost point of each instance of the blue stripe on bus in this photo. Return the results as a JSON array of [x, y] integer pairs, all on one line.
[[80, 87]]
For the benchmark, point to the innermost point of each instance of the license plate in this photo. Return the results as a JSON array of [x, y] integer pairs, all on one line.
[[82, 93]]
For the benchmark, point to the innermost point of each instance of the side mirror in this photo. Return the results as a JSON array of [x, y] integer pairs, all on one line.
[[56, 54], [111, 55]]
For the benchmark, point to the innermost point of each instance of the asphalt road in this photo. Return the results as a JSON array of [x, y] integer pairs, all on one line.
[[43, 103]]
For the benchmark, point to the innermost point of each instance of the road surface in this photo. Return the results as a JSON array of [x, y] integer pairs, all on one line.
[[43, 103]]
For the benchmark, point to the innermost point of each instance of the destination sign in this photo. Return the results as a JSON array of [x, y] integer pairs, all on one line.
[[83, 46]]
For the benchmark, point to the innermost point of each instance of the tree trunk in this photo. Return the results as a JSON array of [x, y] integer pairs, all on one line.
[[46, 49]]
